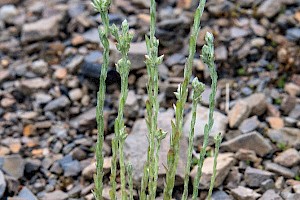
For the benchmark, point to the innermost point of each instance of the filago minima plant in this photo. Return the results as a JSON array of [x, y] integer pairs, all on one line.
[[148, 185]]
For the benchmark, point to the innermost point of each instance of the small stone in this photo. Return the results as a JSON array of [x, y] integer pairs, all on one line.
[[254, 177], [77, 40], [280, 170], [78, 154], [57, 195], [249, 125], [292, 89], [286, 136], [39, 67], [7, 102], [143, 3], [60, 73], [35, 84], [25, 193], [295, 113], [219, 126], [246, 91], [269, 8], [75, 94], [28, 130], [219, 194], [221, 53], [45, 28], [236, 32], [87, 118], [71, 168], [131, 106], [288, 104], [57, 104], [296, 188], [14, 165], [175, 59], [267, 185], [32, 166], [288, 158], [275, 122], [293, 34], [5, 74], [75, 64], [205, 96], [270, 195], [89, 171], [251, 141], [2, 184], [225, 162], [258, 42], [238, 113], [248, 155], [7, 12], [257, 103], [243, 193]]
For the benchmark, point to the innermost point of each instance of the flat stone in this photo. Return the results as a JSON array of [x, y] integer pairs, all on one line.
[[238, 114], [136, 147], [35, 84], [254, 177], [25, 193], [8, 11], [288, 158], [45, 28], [257, 103], [13, 165], [288, 104], [205, 96], [280, 170], [57, 195], [75, 94], [39, 67], [87, 118], [251, 141], [57, 104], [286, 136], [2, 184], [143, 3], [92, 35], [89, 171], [225, 162], [293, 34], [131, 105], [236, 32], [270, 195], [75, 63], [243, 193], [292, 89], [218, 195], [269, 8], [249, 124], [219, 126], [275, 122], [221, 53]]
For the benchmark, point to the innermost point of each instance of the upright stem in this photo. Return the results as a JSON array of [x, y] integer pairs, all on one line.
[[173, 154], [102, 6], [208, 58], [218, 139], [152, 107], [198, 88], [130, 182]]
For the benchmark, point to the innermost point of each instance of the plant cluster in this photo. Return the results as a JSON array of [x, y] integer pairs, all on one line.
[[155, 135]]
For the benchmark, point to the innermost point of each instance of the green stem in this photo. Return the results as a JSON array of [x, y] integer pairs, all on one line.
[[102, 7], [130, 182], [173, 154], [218, 140], [208, 58]]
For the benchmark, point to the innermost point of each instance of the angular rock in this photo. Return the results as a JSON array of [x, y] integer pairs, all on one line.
[[57, 195], [243, 193], [280, 170], [57, 104], [225, 162], [249, 124], [45, 28], [220, 124], [2, 184], [269, 8], [288, 158], [238, 113], [286, 136], [75, 63], [218, 195], [136, 147], [89, 171], [221, 53], [251, 141], [39, 67], [85, 119], [270, 195], [254, 177], [275, 122], [143, 3], [131, 106], [257, 103], [13, 165], [25, 193], [35, 84]]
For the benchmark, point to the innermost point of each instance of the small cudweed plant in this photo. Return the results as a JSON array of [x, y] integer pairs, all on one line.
[[150, 176]]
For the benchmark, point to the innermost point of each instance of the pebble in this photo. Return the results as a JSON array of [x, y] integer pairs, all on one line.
[[251, 141], [280, 170], [87, 118], [25, 193], [285, 136], [238, 114], [60, 73], [243, 193], [219, 126], [257, 103], [249, 124], [275, 122], [270, 195], [131, 108], [288, 158], [39, 67], [75, 63], [75, 94], [269, 8], [13, 165], [221, 53], [254, 177], [225, 162], [219, 194], [33, 32], [292, 89], [57, 104], [293, 34], [57, 195], [35, 84], [7, 12]]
